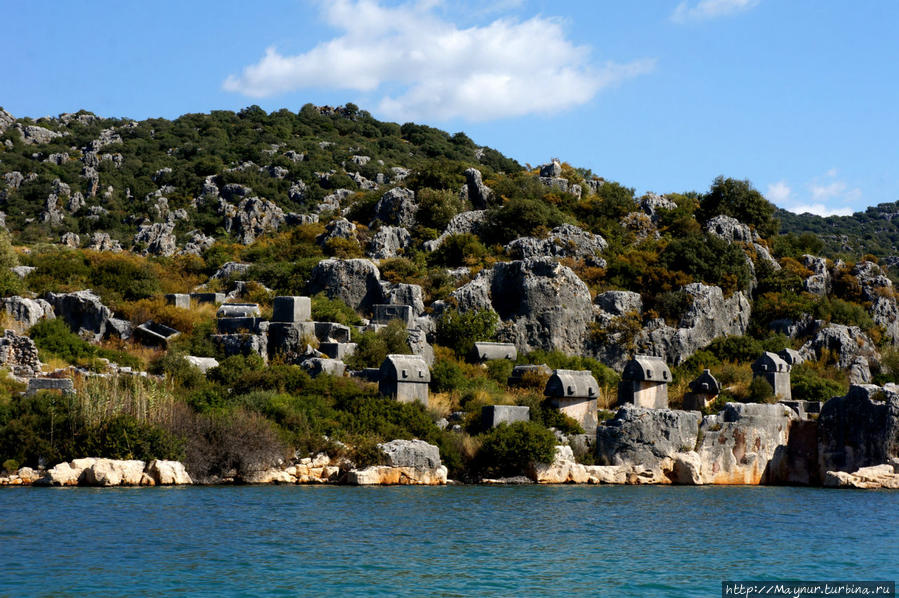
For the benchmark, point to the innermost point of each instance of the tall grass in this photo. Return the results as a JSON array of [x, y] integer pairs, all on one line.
[[146, 399]]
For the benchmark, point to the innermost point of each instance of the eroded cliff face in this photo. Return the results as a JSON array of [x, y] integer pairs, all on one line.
[[744, 444]]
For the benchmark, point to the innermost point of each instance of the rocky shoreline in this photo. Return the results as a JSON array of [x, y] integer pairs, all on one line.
[[852, 444]]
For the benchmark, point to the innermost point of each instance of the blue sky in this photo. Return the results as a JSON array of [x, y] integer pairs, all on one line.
[[800, 97]]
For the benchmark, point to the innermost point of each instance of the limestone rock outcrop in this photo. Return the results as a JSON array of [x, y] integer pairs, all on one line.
[[859, 430], [412, 462], [25, 311], [566, 240], [388, 242], [157, 238], [709, 316], [542, 304], [355, 281], [397, 207], [82, 311]]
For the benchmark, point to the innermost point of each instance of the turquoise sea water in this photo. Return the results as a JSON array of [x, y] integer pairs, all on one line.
[[450, 541]]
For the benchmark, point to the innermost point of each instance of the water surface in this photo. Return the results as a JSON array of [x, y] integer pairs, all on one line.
[[445, 541]]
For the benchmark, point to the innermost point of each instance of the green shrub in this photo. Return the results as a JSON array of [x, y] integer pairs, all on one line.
[[499, 370], [124, 437], [447, 375], [760, 391], [373, 347], [460, 330], [807, 385], [459, 250], [55, 338], [325, 309], [510, 450], [10, 466]]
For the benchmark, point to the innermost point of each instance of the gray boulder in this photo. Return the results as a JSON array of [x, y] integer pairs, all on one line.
[[730, 229], [70, 239], [398, 293], [641, 436], [844, 343], [709, 316], [566, 240], [541, 303], [356, 282], [242, 344], [6, 120], [652, 203], [157, 238], [551, 170], [252, 218], [341, 228], [397, 206], [475, 190], [230, 270], [878, 290], [100, 241], [82, 311], [619, 303], [35, 135], [27, 312], [388, 242], [197, 243], [858, 430], [462, 223], [416, 454]]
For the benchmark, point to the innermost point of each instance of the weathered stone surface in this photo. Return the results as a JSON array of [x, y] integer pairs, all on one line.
[[19, 354], [475, 190], [383, 475], [410, 453], [204, 364], [541, 303], [641, 436], [6, 120], [494, 415], [251, 218], [651, 203], [552, 169], [70, 239], [197, 243], [111, 472], [356, 282], [388, 242], [730, 229], [230, 270], [399, 293], [340, 228], [35, 135], [566, 240], [465, 222], [619, 303], [846, 344], [63, 474], [397, 206], [819, 283], [157, 238], [746, 444], [875, 476], [878, 290], [27, 312], [103, 242], [168, 473], [859, 430], [242, 344], [82, 311], [709, 316]]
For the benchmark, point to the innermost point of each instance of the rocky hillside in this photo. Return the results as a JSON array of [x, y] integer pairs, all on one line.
[[573, 269]]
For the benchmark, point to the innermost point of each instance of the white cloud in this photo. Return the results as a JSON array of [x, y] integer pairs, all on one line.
[[779, 192], [820, 209], [710, 9], [436, 70], [836, 189]]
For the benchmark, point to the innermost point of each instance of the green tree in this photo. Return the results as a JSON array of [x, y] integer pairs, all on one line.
[[510, 450], [738, 199]]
